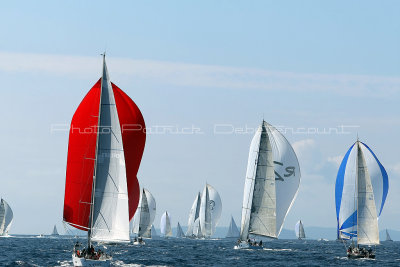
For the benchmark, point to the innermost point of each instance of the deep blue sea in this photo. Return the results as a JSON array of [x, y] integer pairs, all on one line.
[[33, 251]]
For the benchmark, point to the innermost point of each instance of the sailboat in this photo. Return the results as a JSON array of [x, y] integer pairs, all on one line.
[[388, 238], [271, 185], [106, 143], [360, 193], [193, 215], [179, 231], [233, 231], [6, 218], [55, 232], [299, 229], [165, 225], [153, 232], [144, 216], [210, 210]]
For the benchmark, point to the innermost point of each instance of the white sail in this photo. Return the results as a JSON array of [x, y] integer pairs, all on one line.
[[110, 221], [179, 231], [165, 225], [55, 232], [271, 185], [193, 214], [6, 217], [299, 229], [210, 210], [153, 231], [197, 232], [233, 230], [367, 220], [145, 214]]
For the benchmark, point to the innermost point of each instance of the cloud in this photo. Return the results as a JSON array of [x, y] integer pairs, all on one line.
[[197, 75], [396, 168], [336, 160], [302, 146]]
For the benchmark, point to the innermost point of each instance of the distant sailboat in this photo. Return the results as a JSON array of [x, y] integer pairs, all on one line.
[[361, 189], [6, 218], [179, 231], [144, 216], [55, 232], [233, 231], [153, 232], [210, 210], [271, 185], [165, 225], [388, 236], [104, 153], [299, 229]]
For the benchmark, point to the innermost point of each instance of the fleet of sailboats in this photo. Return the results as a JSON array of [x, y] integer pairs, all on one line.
[[101, 190], [6, 217], [299, 230], [271, 185], [361, 189]]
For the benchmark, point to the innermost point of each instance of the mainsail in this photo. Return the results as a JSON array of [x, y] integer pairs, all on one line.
[[55, 232], [233, 230], [106, 143], [210, 210], [145, 214], [6, 217], [179, 231], [271, 184], [299, 229], [193, 214], [361, 189], [165, 225]]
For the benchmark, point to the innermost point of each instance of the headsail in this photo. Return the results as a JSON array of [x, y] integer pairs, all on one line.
[[6, 217], [359, 163], [233, 230], [210, 210], [106, 142], [271, 185], [145, 214], [194, 214], [179, 231], [299, 229], [165, 225]]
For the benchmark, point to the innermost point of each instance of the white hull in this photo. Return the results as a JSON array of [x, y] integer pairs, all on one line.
[[245, 245], [87, 262], [137, 243]]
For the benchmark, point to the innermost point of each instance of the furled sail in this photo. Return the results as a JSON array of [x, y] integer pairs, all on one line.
[[299, 229], [193, 214], [271, 185], [210, 210], [55, 232], [233, 230], [361, 177], [6, 217], [106, 144], [179, 231], [145, 214], [165, 225]]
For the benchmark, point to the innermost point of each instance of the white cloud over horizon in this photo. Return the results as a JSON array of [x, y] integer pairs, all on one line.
[[195, 75]]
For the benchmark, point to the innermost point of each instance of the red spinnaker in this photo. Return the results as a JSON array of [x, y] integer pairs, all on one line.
[[81, 153]]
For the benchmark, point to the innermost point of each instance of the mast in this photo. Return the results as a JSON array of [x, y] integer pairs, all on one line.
[[95, 159]]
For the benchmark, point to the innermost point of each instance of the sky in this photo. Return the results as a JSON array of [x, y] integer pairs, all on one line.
[[204, 74]]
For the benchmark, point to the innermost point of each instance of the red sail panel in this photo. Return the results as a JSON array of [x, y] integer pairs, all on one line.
[[134, 138], [80, 161]]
